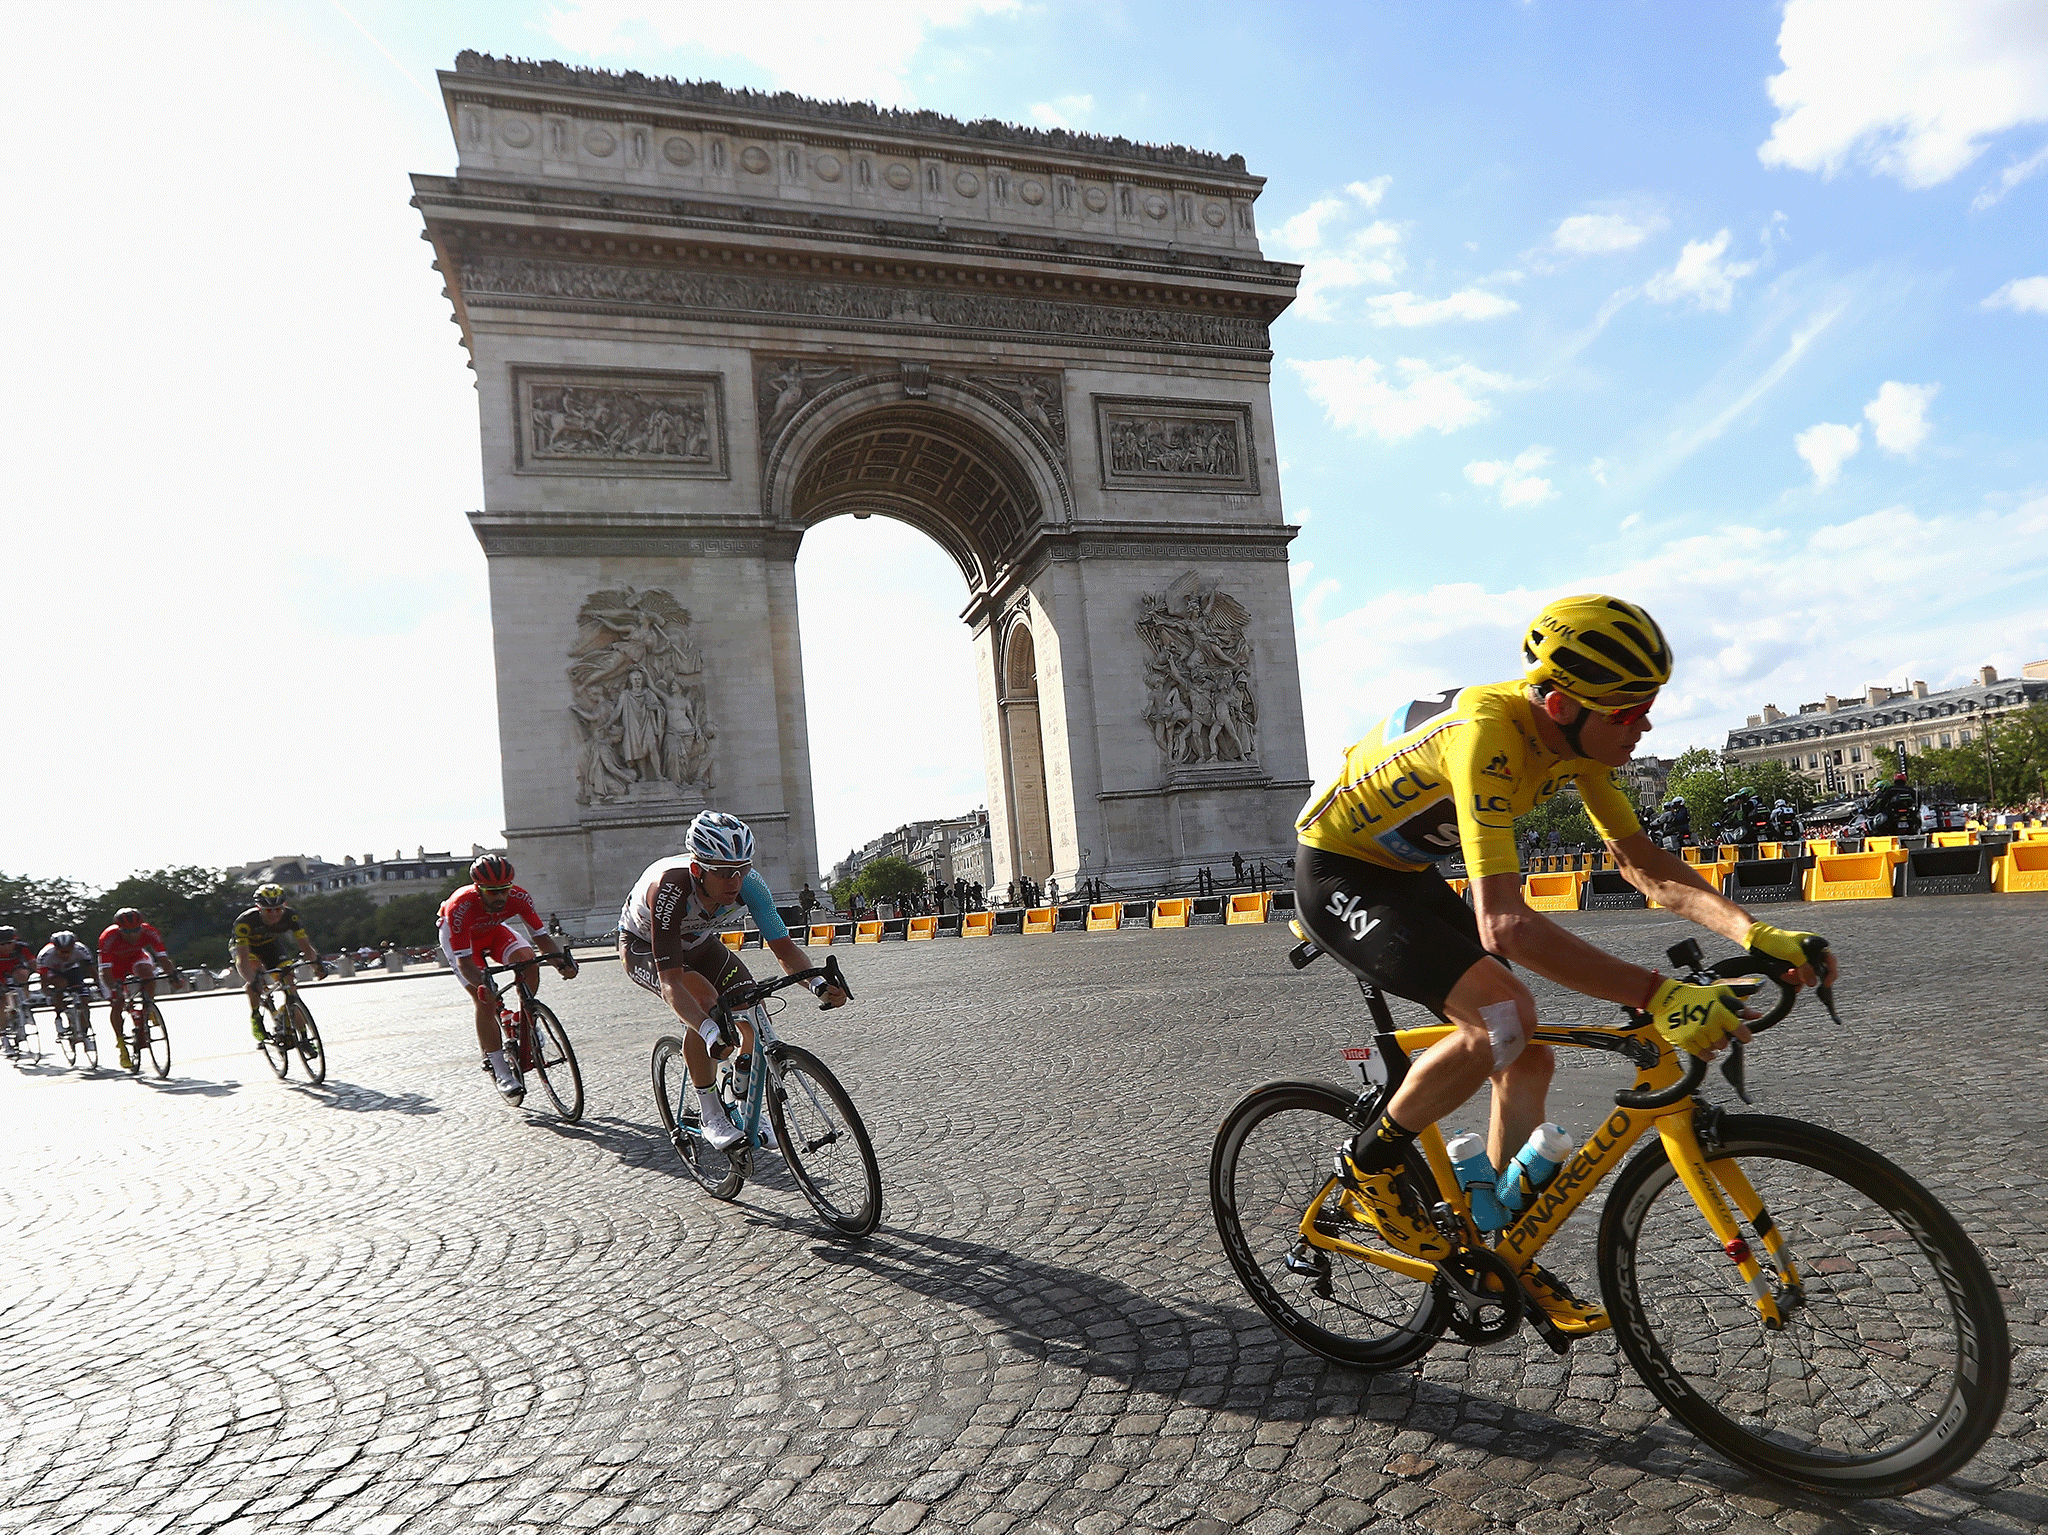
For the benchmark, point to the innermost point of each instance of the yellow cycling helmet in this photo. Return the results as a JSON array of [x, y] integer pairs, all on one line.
[[1598, 651]]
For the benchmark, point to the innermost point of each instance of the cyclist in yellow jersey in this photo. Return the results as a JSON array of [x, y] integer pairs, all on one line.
[[1448, 775]]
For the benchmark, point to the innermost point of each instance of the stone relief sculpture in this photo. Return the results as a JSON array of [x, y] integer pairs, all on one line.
[[1201, 704], [513, 277], [1175, 447], [638, 699], [582, 421], [1036, 396], [786, 386]]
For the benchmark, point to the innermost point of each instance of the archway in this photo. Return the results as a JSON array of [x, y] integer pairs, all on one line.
[[704, 322]]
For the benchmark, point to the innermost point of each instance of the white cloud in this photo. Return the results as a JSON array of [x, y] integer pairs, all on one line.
[[1700, 275], [1789, 639], [2028, 295], [1516, 479], [858, 52], [1913, 90], [1370, 192], [1358, 395], [1826, 446], [1898, 416], [1063, 112], [1602, 234], [2010, 177], [1465, 304], [1598, 469]]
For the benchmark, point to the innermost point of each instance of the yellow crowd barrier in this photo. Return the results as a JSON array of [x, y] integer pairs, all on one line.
[[1040, 919], [732, 940], [2024, 867], [1106, 918], [1695, 855], [921, 927], [1248, 907], [977, 924], [1553, 892], [821, 933], [1880, 844], [1953, 839], [1172, 912], [1850, 877], [867, 932], [1819, 846]]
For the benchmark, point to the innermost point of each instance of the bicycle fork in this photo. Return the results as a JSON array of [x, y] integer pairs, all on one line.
[[1711, 1188]]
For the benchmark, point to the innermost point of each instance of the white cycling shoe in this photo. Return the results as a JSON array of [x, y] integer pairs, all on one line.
[[720, 1131]]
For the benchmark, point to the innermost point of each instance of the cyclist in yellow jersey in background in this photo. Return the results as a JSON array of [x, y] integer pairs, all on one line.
[[1448, 775]]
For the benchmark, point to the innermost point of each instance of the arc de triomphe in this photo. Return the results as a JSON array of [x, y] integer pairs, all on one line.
[[703, 321]]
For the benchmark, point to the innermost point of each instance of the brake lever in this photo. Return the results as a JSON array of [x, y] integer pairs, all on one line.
[[1816, 949], [1731, 1070]]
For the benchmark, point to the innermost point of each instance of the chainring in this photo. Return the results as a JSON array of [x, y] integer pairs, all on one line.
[[1485, 1297]]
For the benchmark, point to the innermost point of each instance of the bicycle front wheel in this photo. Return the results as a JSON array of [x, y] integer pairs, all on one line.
[[312, 1054], [277, 1042], [88, 1042], [673, 1098], [555, 1061], [824, 1142], [1891, 1368], [1271, 1161], [150, 1031], [70, 1037]]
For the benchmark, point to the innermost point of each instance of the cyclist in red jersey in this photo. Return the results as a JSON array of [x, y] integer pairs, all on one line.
[[15, 960], [492, 921], [131, 947]]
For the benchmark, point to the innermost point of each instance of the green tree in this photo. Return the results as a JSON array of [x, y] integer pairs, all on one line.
[[844, 892], [2006, 764], [1565, 814], [194, 908], [889, 876], [36, 908]]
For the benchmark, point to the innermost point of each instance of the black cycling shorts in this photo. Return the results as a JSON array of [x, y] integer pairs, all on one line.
[[708, 957], [1408, 934]]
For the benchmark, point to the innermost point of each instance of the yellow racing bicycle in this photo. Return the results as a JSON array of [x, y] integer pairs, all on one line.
[[1796, 1300]]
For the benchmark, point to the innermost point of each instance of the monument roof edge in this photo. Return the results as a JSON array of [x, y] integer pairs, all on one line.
[[473, 68]]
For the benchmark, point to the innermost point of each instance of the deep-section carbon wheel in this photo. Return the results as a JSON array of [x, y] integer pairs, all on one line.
[[1891, 1369], [554, 1059], [312, 1053], [1271, 1160], [158, 1038], [276, 1045], [824, 1142], [677, 1103]]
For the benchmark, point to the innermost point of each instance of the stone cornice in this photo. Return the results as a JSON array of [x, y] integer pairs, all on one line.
[[785, 110], [557, 535]]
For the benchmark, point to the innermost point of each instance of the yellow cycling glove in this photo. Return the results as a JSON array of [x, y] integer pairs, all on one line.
[[1696, 1019], [1780, 944]]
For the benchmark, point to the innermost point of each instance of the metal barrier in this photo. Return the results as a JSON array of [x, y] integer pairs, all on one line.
[[1609, 890], [1762, 881], [1947, 871]]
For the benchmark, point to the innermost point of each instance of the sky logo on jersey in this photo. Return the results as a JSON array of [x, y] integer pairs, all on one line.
[[1426, 836]]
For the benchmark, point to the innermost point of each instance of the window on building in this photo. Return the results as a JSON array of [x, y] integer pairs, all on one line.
[[1926, 742], [1966, 738], [1945, 739], [1813, 759], [1859, 783], [1856, 754]]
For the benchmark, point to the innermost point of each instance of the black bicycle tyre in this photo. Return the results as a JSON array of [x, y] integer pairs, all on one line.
[[1826, 1230], [312, 1049], [1409, 1314], [158, 1039], [88, 1042], [70, 1037], [554, 1059], [276, 1044], [854, 1221], [708, 1165]]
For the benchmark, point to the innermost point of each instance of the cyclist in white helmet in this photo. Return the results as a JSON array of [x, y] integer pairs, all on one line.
[[668, 939]]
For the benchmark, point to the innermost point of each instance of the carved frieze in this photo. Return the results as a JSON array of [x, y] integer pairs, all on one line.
[[1156, 444], [586, 285], [783, 386], [593, 421], [1201, 698], [637, 696]]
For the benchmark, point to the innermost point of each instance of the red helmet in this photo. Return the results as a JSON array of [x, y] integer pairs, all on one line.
[[491, 872], [127, 916]]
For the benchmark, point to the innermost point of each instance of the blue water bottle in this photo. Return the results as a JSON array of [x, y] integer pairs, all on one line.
[[1533, 1166], [1476, 1177]]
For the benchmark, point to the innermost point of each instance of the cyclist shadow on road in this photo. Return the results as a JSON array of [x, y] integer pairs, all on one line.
[[644, 1144], [358, 1099]]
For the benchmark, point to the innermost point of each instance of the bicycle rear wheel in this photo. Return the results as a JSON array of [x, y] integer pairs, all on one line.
[[151, 1031], [1892, 1367], [672, 1097], [824, 1142], [312, 1054], [555, 1061], [277, 1042], [1271, 1161]]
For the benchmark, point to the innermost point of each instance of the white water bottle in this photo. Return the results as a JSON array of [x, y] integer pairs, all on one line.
[[1534, 1165], [1477, 1178]]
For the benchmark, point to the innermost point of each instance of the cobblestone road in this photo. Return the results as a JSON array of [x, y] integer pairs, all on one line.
[[393, 1304]]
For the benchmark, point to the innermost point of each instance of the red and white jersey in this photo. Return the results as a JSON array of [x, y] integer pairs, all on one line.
[[22, 957], [121, 947], [466, 927]]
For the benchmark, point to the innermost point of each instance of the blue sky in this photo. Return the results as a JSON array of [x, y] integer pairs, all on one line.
[[1739, 310]]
